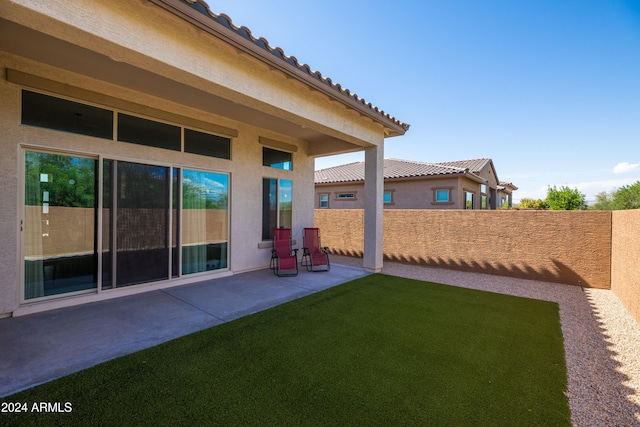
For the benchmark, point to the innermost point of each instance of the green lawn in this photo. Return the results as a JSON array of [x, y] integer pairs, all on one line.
[[380, 350]]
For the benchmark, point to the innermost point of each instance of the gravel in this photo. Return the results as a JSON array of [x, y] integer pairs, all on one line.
[[601, 339]]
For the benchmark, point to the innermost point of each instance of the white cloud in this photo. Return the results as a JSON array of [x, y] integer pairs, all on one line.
[[625, 167], [528, 193]]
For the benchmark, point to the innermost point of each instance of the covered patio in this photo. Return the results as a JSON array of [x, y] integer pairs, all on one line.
[[48, 345]]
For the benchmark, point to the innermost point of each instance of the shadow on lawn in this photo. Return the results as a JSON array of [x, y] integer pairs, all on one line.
[[560, 273], [596, 387]]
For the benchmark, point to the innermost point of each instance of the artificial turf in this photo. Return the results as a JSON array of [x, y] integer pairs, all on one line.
[[379, 350]]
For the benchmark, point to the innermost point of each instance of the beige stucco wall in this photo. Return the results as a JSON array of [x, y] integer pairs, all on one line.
[[245, 169], [9, 223], [625, 254], [555, 246], [139, 45], [139, 33]]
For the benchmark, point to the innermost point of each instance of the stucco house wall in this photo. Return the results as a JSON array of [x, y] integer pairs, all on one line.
[[246, 184], [167, 61]]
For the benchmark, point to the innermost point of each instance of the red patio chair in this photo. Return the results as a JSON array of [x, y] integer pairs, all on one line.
[[283, 257], [314, 256]]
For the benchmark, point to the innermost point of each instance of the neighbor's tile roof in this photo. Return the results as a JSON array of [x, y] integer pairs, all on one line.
[[394, 168], [474, 165], [224, 20], [503, 185]]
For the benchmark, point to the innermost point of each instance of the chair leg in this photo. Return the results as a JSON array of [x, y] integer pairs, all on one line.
[[277, 272]]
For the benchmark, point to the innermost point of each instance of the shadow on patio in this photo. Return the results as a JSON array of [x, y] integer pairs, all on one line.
[[44, 346]]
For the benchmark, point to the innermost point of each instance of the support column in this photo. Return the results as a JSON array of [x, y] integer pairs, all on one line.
[[373, 207]]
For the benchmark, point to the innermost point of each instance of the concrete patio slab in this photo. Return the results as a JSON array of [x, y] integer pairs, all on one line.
[[44, 346]]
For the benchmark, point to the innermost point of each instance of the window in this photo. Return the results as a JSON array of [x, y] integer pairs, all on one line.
[[468, 200], [156, 221], [60, 114], [140, 223], [148, 132], [204, 221], [59, 255], [277, 201], [484, 199], [277, 159], [346, 196], [442, 195], [387, 197], [324, 201], [207, 144]]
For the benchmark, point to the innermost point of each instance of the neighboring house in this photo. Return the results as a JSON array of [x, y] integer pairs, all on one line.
[[463, 184], [505, 194], [148, 144]]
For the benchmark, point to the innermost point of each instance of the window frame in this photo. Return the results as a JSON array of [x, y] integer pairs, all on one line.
[[115, 123], [346, 196], [321, 201], [391, 200], [105, 251], [267, 233], [465, 201], [484, 197], [287, 165], [449, 200]]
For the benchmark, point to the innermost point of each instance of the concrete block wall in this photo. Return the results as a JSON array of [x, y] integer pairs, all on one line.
[[625, 259], [599, 249], [552, 246]]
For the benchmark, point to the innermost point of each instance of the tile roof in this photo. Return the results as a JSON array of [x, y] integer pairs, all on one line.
[[474, 165], [202, 7], [394, 168], [504, 185]]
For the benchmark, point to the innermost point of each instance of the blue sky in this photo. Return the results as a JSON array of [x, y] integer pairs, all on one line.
[[548, 89]]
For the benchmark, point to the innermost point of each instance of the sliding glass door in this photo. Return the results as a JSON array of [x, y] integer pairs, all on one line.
[[204, 221], [60, 233], [141, 223], [158, 223]]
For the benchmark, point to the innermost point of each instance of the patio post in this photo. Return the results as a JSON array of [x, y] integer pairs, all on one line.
[[373, 207]]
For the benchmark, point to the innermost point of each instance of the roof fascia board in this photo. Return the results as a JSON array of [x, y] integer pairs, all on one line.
[[210, 26]]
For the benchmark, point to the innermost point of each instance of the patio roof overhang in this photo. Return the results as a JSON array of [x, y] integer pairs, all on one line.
[[197, 13], [109, 62]]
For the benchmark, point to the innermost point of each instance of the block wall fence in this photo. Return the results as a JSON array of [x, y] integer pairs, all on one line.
[[597, 249]]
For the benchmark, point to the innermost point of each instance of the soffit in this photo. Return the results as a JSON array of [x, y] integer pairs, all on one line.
[[37, 46], [199, 14]]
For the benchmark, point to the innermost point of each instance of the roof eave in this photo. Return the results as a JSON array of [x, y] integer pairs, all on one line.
[[475, 177], [392, 127]]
